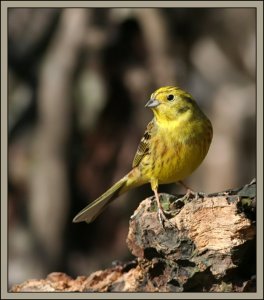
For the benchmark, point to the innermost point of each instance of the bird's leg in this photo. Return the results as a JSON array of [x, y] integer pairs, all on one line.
[[190, 192], [161, 213]]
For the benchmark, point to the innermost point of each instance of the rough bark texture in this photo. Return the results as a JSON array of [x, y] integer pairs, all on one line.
[[208, 245]]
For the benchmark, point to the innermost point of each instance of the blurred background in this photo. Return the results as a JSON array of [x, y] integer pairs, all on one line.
[[78, 81]]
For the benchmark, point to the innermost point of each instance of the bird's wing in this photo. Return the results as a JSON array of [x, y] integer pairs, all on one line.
[[143, 147]]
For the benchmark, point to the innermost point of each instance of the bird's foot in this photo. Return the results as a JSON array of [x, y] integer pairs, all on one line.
[[190, 194], [163, 219]]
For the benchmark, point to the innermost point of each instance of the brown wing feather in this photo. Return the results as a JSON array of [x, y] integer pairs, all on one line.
[[143, 147]]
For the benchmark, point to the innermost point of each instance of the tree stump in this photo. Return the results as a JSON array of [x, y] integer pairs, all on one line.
[[208, 245]]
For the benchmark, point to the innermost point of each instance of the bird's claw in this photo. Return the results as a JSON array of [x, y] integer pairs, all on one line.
[[199, 195], [190, 193], [162, 218]]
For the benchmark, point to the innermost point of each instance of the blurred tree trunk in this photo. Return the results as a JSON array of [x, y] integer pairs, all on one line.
[[160, 62], [49, 199]]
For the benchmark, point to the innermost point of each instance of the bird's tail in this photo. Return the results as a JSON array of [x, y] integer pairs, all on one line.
[[91, 211]]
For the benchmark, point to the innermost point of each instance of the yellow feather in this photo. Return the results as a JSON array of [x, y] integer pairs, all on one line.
[[174, 144]]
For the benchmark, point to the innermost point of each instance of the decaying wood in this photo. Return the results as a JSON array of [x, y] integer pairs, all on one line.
[[208, 245]]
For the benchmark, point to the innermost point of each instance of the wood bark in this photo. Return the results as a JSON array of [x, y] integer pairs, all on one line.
[[208, 245]]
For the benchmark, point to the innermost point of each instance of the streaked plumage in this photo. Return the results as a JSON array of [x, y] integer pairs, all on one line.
[[174, 144]]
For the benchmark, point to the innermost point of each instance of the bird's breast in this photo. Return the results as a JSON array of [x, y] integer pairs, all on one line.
[[175, 155]]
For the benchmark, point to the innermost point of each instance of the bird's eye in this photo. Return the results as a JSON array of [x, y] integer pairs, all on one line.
[[170, 97]]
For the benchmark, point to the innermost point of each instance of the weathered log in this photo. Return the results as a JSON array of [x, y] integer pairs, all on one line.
[[209, 244]]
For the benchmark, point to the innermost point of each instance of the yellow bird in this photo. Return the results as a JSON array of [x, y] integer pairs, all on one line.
[[174, 144]]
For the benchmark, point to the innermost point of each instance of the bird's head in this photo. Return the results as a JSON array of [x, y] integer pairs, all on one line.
[[170, 103]]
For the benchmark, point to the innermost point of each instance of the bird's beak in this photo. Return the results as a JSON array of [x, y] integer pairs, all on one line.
[[152, 103]]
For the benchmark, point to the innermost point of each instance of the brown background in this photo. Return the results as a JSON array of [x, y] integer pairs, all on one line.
[[78, 82]]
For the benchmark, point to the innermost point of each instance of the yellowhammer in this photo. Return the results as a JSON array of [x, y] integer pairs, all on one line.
[[174, 144]]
